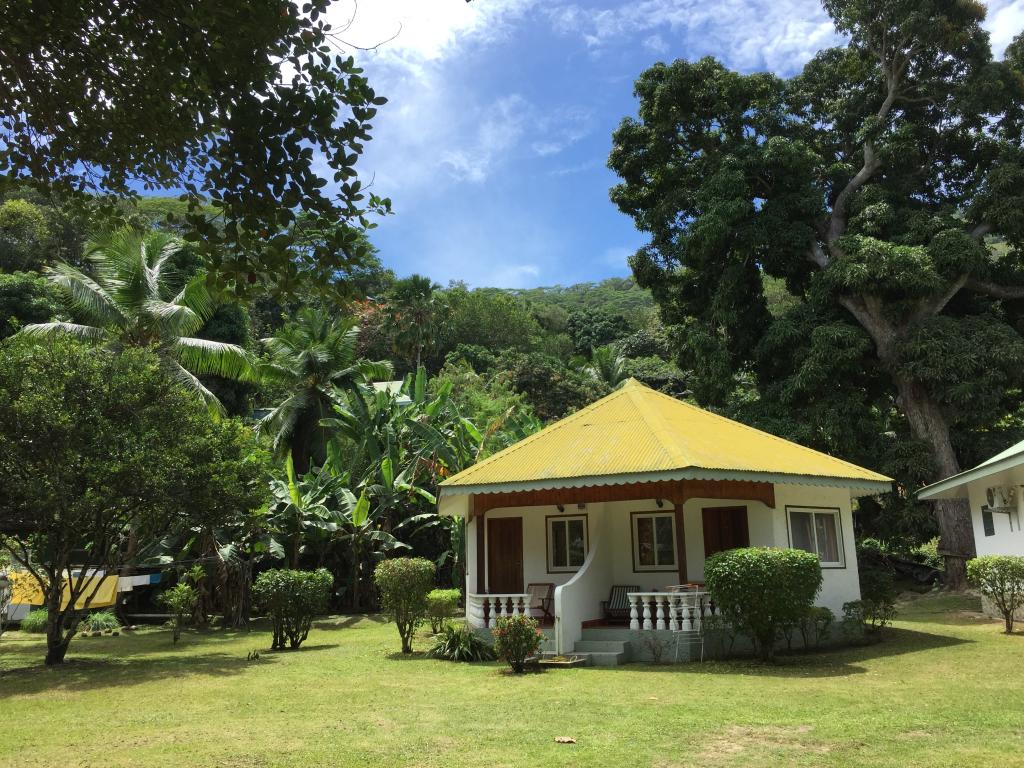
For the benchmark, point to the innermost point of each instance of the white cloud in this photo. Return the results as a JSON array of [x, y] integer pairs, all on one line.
[[779, 35], [1005, 20], [748, 34]]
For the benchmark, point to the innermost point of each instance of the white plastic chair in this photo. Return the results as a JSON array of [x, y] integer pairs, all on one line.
[[688, 626]]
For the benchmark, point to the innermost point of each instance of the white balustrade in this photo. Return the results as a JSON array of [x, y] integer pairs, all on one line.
[[482, 610], [676, 611]]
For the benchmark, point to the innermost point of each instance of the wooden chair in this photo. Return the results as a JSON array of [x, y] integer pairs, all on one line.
[[616, 607], [542, 597]]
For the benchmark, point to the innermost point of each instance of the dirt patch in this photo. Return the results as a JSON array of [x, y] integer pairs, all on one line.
[[740, 739]]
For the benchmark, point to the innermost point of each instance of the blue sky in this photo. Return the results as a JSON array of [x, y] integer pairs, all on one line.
[[494, 143]]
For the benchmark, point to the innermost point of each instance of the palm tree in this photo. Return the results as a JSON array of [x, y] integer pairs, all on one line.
[[414, 316], [311, 360], [608, 365], [127, 299]]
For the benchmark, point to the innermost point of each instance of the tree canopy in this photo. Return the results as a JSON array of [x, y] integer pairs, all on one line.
[[251, 109], [883, 184]]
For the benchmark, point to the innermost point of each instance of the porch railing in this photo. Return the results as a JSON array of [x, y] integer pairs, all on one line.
[[676, 611], [482, 610]]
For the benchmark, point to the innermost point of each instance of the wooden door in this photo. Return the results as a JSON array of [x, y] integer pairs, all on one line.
[[505, 555], [725, 528]]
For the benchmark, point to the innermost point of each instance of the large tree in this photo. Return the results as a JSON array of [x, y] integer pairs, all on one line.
[[96, 447], [132, 297], [311, 361], [884, 185], [254, 109]]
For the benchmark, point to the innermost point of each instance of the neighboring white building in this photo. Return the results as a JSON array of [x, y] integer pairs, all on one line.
[[993, 489], [635, 491]]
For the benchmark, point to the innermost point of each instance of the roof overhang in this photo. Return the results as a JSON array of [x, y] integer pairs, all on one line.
[[955, 487], [857, 486]]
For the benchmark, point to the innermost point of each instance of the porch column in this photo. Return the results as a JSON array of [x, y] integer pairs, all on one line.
[[481, 559], [677, 503]]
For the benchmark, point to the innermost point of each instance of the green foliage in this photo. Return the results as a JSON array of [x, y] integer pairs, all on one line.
[[516, 638], [413, 319], [180, 601], [487, 317], [132, 298], [553, 388], [816, 626], [292, 599], [309, 360], [1000, 578], [34, 622], [608, 366], [838, 260], [441, 606], [760, 591], [459, 642], [94, 444], [193, 98], [25, 236], [591, 328], [878, 595], [99, 621], [403, 584], [26, 298], [657, 374]]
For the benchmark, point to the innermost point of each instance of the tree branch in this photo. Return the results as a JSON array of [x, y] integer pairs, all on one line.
[[981, 230], [996, 290], [929, 308]]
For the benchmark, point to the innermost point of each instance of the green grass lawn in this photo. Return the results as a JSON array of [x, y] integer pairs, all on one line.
[[944, 688]]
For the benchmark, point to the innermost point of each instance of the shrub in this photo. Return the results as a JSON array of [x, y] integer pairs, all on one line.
[[928, 553], [516, 638], [180, 600], [852, 625], [458, 642], [760, 590], [34, 622], [878, 595], [816, 626], [403, 584], [292, 599], [1000, 578], [100, 621], [441, 604]]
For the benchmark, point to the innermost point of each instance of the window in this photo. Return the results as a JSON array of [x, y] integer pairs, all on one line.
[[567, 542], [654, 541], [987, 523], [817, 531]]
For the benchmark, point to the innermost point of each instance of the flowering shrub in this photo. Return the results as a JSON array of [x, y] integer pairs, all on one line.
[[516, 638]]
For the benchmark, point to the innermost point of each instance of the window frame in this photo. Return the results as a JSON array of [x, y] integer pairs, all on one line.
[[637, 567], [988, 522], [837, 513], [548, 542]]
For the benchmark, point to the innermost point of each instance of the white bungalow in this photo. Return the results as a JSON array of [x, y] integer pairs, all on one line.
[[634, 492], [993, 489]]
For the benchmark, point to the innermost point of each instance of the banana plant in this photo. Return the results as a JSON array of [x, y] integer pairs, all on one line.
[[358, 525], [300, 508]]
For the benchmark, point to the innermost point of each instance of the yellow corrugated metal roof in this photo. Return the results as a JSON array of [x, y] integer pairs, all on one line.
[[637, 433]]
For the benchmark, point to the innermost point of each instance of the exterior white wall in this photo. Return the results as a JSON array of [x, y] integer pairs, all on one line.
[[839, 585], [610, 555], [1004, 541]]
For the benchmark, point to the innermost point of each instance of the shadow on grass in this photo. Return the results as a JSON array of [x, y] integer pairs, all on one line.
[[834, 662], [94, 674], [351, 620]]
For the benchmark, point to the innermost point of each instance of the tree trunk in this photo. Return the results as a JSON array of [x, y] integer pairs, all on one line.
[[928, 423], [356, 558], [57, 640]]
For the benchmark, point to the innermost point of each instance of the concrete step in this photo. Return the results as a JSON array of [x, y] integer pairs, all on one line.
[[607, 646], [606, 658]]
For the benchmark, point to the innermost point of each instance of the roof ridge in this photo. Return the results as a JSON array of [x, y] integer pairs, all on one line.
[[759, 431], [658, 429], [549, 429]]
